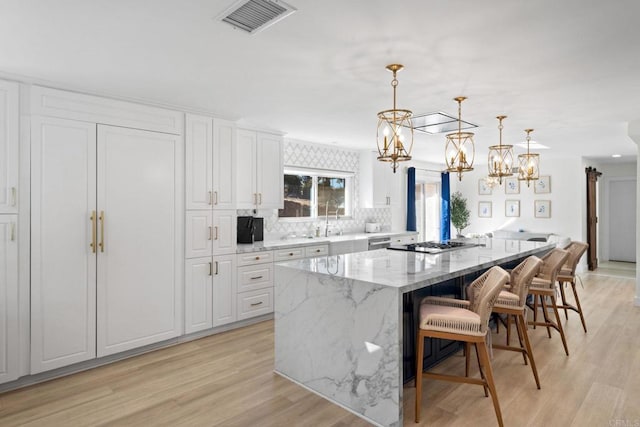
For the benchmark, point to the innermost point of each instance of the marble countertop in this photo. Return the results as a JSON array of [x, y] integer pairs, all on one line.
[[408, 271], [268, 245]]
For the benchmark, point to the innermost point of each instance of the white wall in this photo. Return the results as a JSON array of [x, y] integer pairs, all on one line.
[[566, 196], [634, 134]]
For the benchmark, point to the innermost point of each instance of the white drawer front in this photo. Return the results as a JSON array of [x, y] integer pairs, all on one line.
[[253, 277], [318, 250], [289, 254], [252, 258], [255, 303]]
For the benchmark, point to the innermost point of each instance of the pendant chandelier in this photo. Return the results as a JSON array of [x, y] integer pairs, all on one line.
[[459, 150], [392, 142], [500, 157], [529, 164]]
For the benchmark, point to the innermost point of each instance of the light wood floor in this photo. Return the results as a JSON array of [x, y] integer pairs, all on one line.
[[227, 380]]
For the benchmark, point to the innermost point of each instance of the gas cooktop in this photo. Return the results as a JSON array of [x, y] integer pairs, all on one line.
[[432, 247]]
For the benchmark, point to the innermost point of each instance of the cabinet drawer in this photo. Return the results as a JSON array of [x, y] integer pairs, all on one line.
[[289, 254], [404, 240], [317, 250], [252, 258], [252, 277], [255, 303]]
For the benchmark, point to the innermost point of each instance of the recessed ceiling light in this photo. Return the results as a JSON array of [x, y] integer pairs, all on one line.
[[616, 155]]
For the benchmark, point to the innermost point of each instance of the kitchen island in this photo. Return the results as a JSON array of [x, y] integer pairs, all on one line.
[[340, 320]]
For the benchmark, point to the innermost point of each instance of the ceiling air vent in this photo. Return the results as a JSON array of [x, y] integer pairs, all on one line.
[[254, 16]]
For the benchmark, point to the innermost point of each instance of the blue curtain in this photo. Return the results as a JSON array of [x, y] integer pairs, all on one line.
[[411, 199], [445, 219]]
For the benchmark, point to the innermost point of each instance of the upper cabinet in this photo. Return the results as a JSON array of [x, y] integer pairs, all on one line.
[[379, 186], [259, 171], [210, 159], [9, 157]]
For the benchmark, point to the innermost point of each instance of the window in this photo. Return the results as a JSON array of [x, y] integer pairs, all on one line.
[[314, 193]]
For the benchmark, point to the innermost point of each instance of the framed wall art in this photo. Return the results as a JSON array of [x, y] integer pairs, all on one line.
[[511, 186], [543, 185], [483, 187], [512, 208], [484, 209], [542, 208]]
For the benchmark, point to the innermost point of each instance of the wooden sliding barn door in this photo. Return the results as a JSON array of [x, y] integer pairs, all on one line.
[[592, 217]]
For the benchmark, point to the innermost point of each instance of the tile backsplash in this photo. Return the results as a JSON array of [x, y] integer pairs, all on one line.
[[317, 156]]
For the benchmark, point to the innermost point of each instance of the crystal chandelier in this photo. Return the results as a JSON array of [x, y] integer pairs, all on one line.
[[392, 142], [460, 150], [529, 164], [500, 157]]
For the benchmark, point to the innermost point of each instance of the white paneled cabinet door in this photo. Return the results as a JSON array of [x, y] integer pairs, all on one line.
[[224, 289], [63, 242], [199, 234], [139, 268], [198, 291], [9, 147], [246, 194], [9, 340], [224, 161], [270, 178], [198, 161], [224, 232]]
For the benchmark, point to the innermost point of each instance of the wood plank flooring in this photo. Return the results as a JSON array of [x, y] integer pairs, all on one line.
[[228, 380]]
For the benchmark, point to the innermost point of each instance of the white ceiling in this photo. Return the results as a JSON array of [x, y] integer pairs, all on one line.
[[569, 69]]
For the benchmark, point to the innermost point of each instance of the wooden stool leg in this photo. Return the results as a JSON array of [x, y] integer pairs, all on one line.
[[480, 368], [525, 336], [564, 299], [545, 314], [524, 356], [560, 329], [508, 329], [467, 358], [535, 310], [575, 295], [484, 357], [419, 357]]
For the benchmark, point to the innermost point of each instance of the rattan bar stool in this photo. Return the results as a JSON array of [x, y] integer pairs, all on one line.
[[464, 321], [512, 302], [543, 287], [568, 275]]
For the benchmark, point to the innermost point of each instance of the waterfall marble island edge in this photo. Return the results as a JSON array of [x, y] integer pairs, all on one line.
[[339, 319]]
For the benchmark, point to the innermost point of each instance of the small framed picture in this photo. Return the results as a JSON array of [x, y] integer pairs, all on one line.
[[543, 185], [483, 188], [512, 208], [484, 209], [511, 186], [542, 208]]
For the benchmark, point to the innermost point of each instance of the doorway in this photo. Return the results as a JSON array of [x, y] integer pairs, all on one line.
[[621, 207]]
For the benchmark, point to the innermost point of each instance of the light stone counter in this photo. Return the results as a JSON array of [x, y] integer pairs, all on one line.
[[339, 319]]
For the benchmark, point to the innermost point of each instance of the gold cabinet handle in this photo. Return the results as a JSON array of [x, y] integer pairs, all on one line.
[[216, 227], [215, 197], [210, 269], [13, 196], [257, 258], [210, 233], [101, 244], [255, 198], [256, 303], [93, 231], [13, 231], [210, 197], [216, 268], [256, 278], [260, 198]]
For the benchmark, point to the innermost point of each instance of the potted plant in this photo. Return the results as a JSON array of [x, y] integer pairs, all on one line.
[[459, 212]]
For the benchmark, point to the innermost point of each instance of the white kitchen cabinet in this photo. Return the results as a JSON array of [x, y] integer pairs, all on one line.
[[9, 142], [404, 239], [259, 171], [106, 232], [210, 233], [316, 250], [379, 186], [255, 303], [210, 292], [255, 284], [210, 157], [9, 339], [288, 254], [252, 277]]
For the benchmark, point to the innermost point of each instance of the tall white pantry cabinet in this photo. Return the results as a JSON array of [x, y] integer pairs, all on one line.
[[9, 159], [106, 227], [210, 245]]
